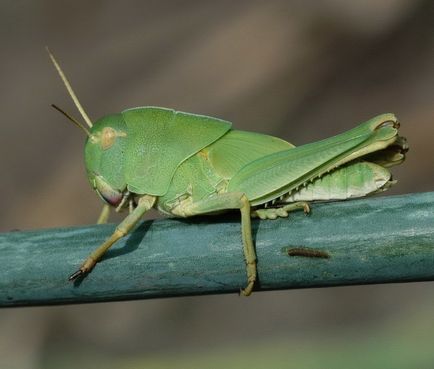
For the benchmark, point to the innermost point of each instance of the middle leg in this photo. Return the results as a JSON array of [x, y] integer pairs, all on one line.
[[231, 200]]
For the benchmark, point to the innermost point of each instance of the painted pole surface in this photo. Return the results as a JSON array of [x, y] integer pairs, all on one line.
[[371, 240]]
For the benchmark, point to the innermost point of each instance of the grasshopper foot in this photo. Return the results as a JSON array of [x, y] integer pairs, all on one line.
[[74, 276], [248, 290], [281, 211], [85, 268], [251, 279]]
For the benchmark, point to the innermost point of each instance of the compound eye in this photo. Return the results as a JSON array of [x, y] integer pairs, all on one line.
[[107, 137], [106, 192]]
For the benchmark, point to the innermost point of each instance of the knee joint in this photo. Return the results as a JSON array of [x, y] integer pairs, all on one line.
[[120, 232]]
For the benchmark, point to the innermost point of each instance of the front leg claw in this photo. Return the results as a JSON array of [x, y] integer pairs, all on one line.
[[86, 267], [74, 276]]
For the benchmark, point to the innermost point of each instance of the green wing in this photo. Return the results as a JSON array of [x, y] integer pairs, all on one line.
[[160, 140], [238, 148], [274, 175]]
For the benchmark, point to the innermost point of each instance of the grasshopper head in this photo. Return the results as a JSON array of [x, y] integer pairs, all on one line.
[[104, 149], [104, 158]]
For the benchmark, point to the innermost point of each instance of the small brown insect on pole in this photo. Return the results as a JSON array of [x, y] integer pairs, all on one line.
[[307, 252]]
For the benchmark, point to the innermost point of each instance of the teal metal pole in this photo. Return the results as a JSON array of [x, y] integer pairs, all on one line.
[[372, 240]]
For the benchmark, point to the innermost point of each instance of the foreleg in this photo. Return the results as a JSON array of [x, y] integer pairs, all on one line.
[[145, 203]]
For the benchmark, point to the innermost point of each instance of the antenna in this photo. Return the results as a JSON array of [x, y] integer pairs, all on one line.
[[70, 90], [72, 119]]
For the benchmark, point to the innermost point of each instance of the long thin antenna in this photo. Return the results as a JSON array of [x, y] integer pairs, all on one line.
[[72, 119], [70, 90]]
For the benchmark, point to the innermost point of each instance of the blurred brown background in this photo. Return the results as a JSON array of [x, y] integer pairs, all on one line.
[[299, 70]]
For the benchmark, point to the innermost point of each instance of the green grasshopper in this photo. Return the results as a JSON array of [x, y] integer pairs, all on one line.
[[186, 164]]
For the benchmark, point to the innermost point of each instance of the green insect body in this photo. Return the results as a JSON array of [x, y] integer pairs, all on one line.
[[187, 164]]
